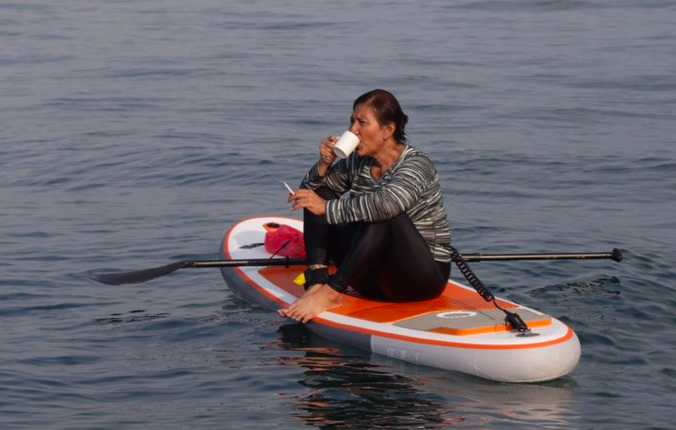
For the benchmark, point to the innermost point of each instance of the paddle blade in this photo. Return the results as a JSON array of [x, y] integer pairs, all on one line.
[[139, 276]]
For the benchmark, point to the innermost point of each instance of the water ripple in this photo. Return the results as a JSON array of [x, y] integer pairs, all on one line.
[[135, 132]]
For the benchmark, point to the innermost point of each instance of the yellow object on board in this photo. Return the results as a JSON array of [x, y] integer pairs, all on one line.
[[300, 279]]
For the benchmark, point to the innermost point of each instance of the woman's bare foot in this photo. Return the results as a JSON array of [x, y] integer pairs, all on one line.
[[317, 299], [283, 311]]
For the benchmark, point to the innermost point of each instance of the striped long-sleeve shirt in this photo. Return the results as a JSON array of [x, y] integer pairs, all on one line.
[[410, 185]]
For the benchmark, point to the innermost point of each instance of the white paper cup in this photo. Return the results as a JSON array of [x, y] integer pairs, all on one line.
[[346, 144]]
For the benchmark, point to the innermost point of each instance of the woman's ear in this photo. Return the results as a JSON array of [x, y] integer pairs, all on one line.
[[388, 130]]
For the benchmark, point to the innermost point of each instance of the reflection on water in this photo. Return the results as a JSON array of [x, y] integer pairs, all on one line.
[[346, 387]]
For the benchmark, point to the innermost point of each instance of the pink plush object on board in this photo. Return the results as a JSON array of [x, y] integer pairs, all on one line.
[[278, 234]]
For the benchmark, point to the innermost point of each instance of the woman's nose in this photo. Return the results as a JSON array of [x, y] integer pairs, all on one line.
[[354, 128]]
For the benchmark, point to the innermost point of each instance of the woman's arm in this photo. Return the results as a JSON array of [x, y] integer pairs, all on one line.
[[325, 172]]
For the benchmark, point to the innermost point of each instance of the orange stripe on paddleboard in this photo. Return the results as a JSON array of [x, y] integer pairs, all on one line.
[[565, 337]]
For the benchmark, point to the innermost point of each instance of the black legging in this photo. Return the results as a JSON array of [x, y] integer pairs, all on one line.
[[387, 260]]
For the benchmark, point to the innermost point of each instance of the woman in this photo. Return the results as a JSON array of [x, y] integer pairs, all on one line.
[[389, 237]]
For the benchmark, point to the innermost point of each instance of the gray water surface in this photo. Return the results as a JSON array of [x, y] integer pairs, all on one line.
[[134, 133]]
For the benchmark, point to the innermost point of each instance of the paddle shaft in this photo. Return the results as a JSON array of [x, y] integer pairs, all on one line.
[[139, 276], [615, 255]]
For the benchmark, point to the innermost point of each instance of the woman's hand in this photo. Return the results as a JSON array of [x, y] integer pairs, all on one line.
[[326, 154], [307, 199]]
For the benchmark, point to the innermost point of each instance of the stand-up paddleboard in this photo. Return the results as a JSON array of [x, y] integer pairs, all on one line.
[[457, 331]]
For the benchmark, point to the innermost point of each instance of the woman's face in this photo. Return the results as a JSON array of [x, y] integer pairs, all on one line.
[[372, 135]]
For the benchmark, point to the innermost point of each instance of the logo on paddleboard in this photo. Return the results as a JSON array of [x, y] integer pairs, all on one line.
[[456, 314]]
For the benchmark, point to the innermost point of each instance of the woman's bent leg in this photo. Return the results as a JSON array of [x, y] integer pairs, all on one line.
[[317, 232], [408, 271], [390, 260]]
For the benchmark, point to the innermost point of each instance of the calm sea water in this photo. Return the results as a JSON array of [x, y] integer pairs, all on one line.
[[134, 133]]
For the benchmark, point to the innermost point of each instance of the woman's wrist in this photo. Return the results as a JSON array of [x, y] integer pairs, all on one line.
[[322, 167]]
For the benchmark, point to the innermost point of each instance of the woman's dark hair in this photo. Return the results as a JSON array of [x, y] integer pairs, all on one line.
[[387, 110]]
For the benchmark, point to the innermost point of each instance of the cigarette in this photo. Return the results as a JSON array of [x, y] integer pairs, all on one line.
[[289, 188]]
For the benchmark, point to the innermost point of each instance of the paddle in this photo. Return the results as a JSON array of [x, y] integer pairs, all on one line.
[[139, 276]]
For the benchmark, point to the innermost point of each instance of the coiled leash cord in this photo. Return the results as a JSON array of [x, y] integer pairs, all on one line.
[[511, 318]]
